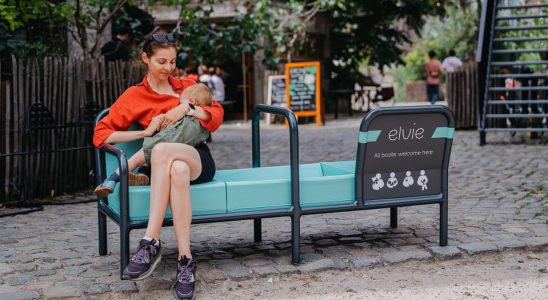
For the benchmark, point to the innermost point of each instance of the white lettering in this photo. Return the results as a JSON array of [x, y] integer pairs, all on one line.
[[391, 134], [406, 134]]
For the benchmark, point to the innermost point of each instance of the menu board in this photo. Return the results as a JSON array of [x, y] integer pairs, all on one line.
[[276, 90], [275, 93], [303, 89], [405, 155]]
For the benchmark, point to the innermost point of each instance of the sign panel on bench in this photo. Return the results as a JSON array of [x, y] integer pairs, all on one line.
[[404, 155]]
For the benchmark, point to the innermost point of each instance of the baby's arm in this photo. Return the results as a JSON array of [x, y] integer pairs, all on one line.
[[201, 114], [184, 96]]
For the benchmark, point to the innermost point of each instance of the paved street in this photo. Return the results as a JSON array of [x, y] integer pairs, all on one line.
[[498, 198]]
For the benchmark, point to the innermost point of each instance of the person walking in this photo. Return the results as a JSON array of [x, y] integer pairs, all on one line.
[[155, 103], [205, 77], [117, 49], [452, 62], [433, 73], [228, 83], [216, 85]]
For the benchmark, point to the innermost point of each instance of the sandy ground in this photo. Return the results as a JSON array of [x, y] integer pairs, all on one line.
[[508, 275]]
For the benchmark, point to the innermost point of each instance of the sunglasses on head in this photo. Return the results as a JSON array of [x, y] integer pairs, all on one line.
[[162, 37]]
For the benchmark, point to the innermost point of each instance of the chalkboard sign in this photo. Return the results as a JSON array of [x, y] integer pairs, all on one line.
[[404, 154], [275, 92], [303, 89]]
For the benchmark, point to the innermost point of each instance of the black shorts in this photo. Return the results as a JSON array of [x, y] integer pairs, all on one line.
[[208, 164]]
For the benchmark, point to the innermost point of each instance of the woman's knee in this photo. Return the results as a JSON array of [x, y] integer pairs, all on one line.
[[159, 152], [180, 173]]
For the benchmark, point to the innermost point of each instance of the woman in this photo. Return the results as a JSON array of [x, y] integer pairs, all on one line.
[[155, 104]]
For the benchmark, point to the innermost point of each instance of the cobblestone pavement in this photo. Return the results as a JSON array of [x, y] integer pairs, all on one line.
[[498, 201]]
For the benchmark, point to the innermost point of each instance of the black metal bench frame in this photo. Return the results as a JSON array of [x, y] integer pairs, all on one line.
[[296, 211]]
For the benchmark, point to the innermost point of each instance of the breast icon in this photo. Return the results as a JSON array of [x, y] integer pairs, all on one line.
[[408, 180], [378, 183], [392, 181]]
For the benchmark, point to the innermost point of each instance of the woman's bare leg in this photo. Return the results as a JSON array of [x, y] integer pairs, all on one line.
[[181, 207], [163, 156]]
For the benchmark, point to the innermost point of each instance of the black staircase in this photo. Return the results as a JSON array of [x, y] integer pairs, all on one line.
[[513, 63]]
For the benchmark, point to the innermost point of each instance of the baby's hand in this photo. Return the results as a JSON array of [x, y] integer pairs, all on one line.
[[192, 101]]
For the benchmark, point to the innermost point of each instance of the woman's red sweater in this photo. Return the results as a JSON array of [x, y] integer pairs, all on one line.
[[140, 103]]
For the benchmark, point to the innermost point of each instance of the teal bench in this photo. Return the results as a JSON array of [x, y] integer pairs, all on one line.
[[264, 192]]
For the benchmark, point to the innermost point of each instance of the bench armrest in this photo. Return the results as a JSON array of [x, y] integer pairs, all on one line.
[[121, 157], [293, 146]]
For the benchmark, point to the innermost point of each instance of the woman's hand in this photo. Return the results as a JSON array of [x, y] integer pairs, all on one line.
[[154, 125], [174, 115]]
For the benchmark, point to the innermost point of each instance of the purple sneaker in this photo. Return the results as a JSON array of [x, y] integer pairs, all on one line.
[[143, 261], [184, 287]]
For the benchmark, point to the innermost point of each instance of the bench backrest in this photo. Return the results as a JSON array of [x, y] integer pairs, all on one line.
[[403, 154]]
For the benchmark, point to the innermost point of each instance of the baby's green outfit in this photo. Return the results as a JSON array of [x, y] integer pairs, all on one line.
[[188, 131]]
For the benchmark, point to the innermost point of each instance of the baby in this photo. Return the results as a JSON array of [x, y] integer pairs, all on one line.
[[187, 130]]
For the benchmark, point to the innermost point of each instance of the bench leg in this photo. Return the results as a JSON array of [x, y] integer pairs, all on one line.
[[124, 249], [394, 217], [102, 225], [257, 227], [443, 223], [296, 239]]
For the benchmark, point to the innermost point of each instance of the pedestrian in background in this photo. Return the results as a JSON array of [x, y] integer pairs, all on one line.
[[452, 62], [216, 85], [433, 73], [192, 73], [205, 77], [117, 49], [228, 83]]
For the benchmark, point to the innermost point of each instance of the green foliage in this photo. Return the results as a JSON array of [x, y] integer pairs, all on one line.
[[40, 26], [264, 24], [16, 14], [362, 31], [372, 32], [401, 77], [207, 41], [455, 29], [524, 33], [10, 44], [31, 27]]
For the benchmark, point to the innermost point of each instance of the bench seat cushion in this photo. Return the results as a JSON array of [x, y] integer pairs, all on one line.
[[251, 189], [269, 188]]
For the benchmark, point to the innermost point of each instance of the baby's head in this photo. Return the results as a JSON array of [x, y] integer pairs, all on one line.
[[198, 94]]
